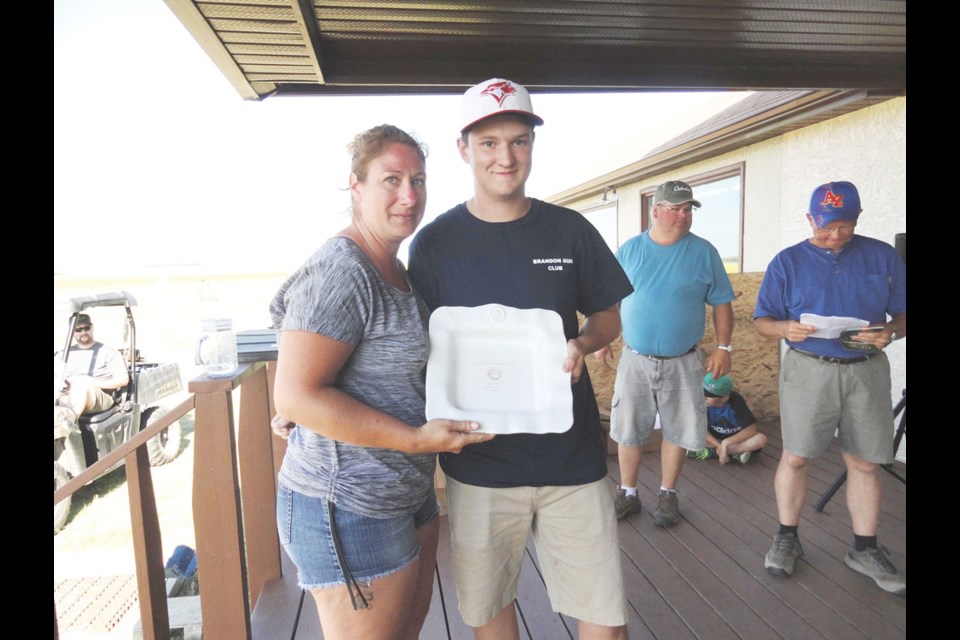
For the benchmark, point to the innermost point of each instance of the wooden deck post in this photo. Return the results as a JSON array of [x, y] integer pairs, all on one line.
[[258, 489], [147, 547], [216, 513]]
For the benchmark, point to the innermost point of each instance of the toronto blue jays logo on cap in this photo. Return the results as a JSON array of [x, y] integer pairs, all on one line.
[[494, 97], [499, 91]]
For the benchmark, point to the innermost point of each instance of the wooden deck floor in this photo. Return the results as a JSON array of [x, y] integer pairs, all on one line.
[[702, 579]]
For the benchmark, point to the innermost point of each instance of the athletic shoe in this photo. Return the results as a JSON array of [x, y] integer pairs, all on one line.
[[741, 457], [667, 513], [624, 504], [702, 454], [875, 564], [783, 554]]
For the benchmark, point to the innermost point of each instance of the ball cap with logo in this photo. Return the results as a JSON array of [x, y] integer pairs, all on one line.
[[675, 192], [834, 201], [495, 97]]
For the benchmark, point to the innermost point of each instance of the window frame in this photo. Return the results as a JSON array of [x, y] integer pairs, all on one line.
[[603, 205], [721, 173]]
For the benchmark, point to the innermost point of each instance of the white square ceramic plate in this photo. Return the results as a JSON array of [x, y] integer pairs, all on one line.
[[500, 366]]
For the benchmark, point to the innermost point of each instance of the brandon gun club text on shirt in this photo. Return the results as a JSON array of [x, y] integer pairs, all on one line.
[[554, 264]]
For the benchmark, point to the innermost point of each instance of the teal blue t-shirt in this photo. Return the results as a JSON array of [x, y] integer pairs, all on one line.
[[665, 314]]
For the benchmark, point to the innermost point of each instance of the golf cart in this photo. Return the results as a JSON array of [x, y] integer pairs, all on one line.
[[94, 435]]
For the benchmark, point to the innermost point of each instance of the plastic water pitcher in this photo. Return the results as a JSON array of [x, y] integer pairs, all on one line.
[[217, 347]]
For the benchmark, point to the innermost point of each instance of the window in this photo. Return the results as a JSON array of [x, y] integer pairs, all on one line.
[[719, 220], [603, 216]]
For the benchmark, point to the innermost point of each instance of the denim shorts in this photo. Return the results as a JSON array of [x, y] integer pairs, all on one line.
[[371, 548]]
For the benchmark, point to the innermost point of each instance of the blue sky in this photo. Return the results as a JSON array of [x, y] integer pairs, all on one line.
[[147, 162]]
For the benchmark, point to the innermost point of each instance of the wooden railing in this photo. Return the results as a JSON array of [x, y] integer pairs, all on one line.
[[234, 504]]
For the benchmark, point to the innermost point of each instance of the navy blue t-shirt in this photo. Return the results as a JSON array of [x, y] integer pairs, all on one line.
[[731, 418], [552, 258]]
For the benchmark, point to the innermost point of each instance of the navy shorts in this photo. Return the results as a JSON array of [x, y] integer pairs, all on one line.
[[370, 548]]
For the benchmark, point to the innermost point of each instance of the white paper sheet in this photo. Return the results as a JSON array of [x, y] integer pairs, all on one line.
[[830, 327]]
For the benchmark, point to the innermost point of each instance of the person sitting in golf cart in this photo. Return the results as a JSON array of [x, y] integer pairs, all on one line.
[[93, 371]]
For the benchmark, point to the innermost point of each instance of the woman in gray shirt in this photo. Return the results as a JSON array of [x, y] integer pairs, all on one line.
[[356, 504]]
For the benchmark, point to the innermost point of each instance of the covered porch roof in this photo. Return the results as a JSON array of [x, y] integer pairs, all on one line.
[[339, 47]]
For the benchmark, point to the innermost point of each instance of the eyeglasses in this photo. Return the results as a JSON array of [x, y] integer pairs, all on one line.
[[677, 209], [840, 229], [82, 329]]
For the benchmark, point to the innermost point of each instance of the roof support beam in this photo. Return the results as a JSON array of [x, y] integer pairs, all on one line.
[[310, 29]]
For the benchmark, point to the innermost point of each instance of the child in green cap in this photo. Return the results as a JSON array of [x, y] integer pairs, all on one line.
[[732, 432]]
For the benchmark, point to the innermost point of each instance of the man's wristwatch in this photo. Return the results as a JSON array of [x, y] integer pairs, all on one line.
[[726, 347]]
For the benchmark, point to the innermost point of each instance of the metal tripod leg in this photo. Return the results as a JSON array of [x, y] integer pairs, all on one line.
[[899, 410]]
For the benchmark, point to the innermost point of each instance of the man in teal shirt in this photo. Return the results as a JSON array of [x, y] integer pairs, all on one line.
[[674, 273]]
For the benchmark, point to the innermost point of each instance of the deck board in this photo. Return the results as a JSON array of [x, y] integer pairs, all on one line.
[[535, 616], [734, 548], [458, 628], [703, 579]]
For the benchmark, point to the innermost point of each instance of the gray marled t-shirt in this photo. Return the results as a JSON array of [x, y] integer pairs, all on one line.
[[338, 293]]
